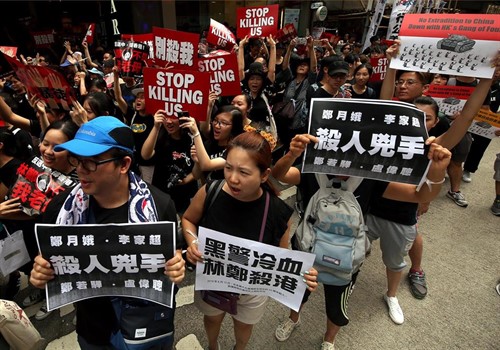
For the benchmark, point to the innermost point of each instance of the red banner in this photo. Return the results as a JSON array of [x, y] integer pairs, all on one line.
[[10, 51], [176, 49], [219, 35], [44, 39], [175, 91], [257, 21], [286, 34], [444, 91], [45, 83], [478, 27], [379, 65], [223, 69], [89, 36], [130, 56]]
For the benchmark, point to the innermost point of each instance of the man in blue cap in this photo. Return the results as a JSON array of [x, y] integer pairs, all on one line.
[[109, 192]]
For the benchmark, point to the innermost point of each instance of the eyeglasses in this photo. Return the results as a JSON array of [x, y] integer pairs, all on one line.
[[89, 164], [409, 82], [221, 123]]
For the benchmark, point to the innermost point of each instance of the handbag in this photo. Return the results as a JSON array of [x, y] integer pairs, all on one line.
[[284, 110], [227, 301], [13, 252], [17, 329], [141, 324]]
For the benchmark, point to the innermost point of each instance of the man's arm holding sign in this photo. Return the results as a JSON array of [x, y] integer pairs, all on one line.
[[474, 103], [440, 157]]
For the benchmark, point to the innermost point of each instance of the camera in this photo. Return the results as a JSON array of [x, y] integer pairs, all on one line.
[[182, 114], [176, 175]]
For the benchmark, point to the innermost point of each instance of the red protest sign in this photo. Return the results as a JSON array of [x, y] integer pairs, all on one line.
[[287, 33], [44, 38], [220, 36], [141, 38], [223, 69], [9, 50], [36, 185], [174, 91], [379, 65], [89, 36], [130, 56], [176, 49], [257, 21], [45, 83]]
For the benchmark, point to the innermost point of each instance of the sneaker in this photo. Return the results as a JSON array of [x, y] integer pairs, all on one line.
[[327, 346], [466, 176], [495, 208], [42, 313], [395, 311], [418, 284], [285, 329], [458, 198], [37, 296]]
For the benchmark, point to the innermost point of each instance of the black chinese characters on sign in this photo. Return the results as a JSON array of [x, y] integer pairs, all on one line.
[[367, 138]]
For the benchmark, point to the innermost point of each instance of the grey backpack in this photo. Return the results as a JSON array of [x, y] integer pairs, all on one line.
[[333, 228]]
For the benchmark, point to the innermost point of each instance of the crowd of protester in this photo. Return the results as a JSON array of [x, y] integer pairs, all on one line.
[[179, 155]]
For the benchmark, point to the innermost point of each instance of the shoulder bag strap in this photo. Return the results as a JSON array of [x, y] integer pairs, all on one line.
[[212, 193], [264, 218]]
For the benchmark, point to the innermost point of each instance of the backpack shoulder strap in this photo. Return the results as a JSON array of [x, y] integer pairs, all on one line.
[[212, 192]]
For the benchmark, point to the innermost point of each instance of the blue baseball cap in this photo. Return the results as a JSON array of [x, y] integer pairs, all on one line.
[[98, 136]]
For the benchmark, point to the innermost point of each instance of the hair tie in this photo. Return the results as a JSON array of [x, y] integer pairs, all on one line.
[[266, 135]]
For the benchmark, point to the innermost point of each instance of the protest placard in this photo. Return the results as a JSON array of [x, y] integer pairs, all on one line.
[[47, 84], [130, 57], [382, 140], [223, 69], [107, 260], [454, 44], [286, 34], [142, 38], [486, 123], [257, 21], [379, 65], [450, 98], [89, 36], [219, 35], [43, 39], [399, 10], [244, 266], [175, 91], [9, 50], [175, 49], [36, 185]]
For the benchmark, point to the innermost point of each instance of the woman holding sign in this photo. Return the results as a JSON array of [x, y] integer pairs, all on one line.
[[237, 209]]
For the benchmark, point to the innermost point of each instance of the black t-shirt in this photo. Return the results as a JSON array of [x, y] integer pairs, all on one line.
[[244, 219], [369, 93], [8, 173], [95, 317], [141, 126], [215, 151], [172, 162]]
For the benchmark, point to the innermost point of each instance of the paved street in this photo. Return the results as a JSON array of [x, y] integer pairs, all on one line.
[[461, 311]]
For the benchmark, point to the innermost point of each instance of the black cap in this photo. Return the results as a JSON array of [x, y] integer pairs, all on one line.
[[256, 68], [338, 67]]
